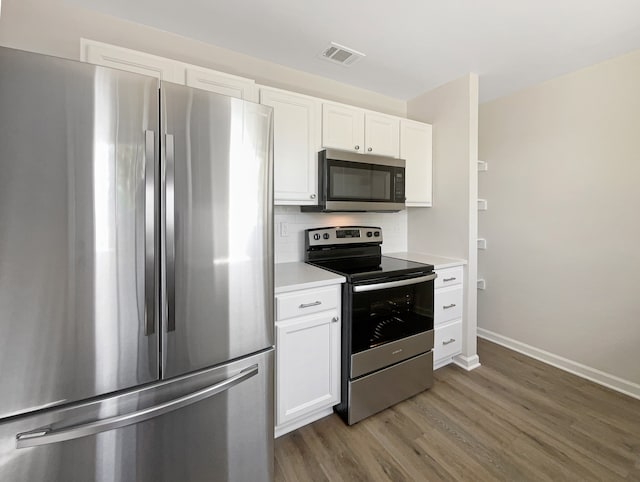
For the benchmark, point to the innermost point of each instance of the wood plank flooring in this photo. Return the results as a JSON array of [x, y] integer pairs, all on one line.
[[514, 418]]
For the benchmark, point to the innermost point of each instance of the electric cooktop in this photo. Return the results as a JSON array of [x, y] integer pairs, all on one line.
[[355, 252]]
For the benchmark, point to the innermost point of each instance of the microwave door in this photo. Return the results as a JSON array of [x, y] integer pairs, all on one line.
[[360, 186]]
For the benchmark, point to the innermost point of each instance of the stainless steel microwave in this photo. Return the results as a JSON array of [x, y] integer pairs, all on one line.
[[358, 182]]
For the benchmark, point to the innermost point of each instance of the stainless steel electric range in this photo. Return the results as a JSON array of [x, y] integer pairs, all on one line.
[[387, 315]]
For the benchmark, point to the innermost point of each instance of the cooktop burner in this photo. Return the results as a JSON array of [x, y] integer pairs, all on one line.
[[354, 252]]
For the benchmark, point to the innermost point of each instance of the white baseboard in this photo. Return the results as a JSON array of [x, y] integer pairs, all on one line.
[[467, 362], [611, 381]]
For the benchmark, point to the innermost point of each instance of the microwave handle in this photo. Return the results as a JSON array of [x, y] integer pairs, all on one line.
[[394, 284]]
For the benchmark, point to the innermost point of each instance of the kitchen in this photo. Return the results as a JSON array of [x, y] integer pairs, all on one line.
[[448, 227]]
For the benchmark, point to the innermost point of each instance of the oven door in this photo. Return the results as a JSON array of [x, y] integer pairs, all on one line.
[[363, 183], [391, 321]]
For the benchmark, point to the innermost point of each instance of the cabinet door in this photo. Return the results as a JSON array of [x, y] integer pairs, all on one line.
[[342, 127], [130, 60], [381, 135], [447, 341], [296, 142], [307, 365], [415, 148], [220, 83]]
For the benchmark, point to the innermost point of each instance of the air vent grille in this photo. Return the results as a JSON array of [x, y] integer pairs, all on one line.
[[340, 54]]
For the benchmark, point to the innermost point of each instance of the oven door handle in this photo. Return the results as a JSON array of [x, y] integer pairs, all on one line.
[[393, 284]]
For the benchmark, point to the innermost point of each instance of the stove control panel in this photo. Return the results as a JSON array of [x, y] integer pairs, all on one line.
[[343, 235]]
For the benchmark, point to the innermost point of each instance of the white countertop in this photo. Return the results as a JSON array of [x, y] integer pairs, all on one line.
[[438, 262], [300, 276]]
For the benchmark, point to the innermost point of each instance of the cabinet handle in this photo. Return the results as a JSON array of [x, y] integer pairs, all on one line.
[[451, 340], [446, 307], [357, 148], [313, 196], [308, 305], [446, 280], [335, 319], [370, 149]]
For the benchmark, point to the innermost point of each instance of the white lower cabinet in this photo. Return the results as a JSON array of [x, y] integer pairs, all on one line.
[[307, 356], [447, 342], [447, 301]]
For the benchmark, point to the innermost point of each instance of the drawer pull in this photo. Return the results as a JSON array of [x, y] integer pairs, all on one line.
[[335, 319], [446, 307], [446, 280], [451, 340], [308, 305]]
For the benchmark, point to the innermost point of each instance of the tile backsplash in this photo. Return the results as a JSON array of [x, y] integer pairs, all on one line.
[[290, 223]]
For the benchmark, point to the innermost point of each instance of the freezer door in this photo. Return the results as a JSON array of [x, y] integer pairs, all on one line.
[[216, 425], [77, 208], [218, 276]]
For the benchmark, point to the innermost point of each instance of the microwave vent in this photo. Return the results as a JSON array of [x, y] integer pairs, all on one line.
[[340, 54]]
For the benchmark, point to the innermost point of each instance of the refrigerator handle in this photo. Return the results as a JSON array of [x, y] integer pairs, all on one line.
[[149, 230], [44, 436], [170, 232]]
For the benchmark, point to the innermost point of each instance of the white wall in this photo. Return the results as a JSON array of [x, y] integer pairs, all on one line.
[[449, 228], [55, 27], [291, 247], [563, 225]]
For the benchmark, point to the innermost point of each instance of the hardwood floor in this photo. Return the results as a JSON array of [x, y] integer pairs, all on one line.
[[514, 418]]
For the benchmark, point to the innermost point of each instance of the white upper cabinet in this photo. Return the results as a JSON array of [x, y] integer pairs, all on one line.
[[221, 83], [303, 125], [416, 149], [131, 60], [342, 127], [296, 142], [352, 129], [168, 69], [381, 135]]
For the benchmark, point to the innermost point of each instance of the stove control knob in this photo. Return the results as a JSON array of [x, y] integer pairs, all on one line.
[[369, 234], [316, 237], [325, 236], [377, 234]]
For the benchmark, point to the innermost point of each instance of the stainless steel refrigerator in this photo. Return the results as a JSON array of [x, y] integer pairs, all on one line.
[[136, 284]]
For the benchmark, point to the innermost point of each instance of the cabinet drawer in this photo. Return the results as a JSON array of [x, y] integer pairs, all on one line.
[[305, 302], [447, 304], [449, 277], [448, 340]]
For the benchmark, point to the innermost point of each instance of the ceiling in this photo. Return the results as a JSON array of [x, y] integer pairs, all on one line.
[[411, 46]]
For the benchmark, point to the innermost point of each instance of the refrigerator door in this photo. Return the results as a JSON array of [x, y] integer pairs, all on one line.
[[77, 249], [213, 425], [218, 276]]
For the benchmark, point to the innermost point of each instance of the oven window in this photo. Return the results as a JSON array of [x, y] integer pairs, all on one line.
[[351, 181], [386, 315]]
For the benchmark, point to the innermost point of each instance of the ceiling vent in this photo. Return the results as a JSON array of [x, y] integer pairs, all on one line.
[[339, 54]]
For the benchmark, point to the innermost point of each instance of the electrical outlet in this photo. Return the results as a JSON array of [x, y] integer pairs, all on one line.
[[284, 230], [482, 284], [482, 243]]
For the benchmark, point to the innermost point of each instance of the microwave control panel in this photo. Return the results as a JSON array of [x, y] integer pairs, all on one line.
[[399, 194]]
